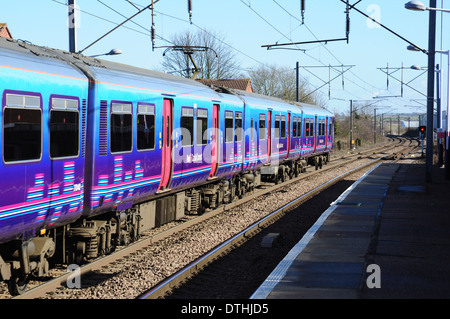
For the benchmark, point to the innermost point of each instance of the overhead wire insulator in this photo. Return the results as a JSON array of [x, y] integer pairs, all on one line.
[[153, 37], [347, 21], [302, 9], [190, 10], [401, 89], [329, 82], [387, 78], [153, 26]]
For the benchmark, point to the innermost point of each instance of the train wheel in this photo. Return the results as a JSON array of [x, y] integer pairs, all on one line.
[[297, 169], [76, 254], [277, 179], [17, 285], [283, 177]]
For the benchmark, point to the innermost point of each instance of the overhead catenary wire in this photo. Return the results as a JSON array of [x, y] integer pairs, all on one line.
[[304, 51], [115, 23], [354, 79], [376, 88]]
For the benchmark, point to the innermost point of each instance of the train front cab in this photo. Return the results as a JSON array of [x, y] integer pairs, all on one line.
[[43, 123]]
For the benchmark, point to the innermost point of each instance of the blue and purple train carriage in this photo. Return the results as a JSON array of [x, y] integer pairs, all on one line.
[[94, 153]]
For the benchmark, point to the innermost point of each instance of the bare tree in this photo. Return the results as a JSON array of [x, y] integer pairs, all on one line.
[[221, 66], [280, 82]]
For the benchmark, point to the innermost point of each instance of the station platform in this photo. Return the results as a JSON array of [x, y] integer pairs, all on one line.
[[387, 236]]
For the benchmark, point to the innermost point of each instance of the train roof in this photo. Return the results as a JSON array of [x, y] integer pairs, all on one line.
[[256, 98], [107, 72], [314, 109], [22, 55], [69, 64], [167, 83]]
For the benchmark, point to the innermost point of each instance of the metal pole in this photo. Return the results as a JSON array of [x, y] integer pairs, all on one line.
[[72, 26], [375, 126], [297, 81], [351, 123], [430, 91], [447, 168], [439, 115]]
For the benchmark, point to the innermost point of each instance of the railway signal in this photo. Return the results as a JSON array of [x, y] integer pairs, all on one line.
[[422, 130]]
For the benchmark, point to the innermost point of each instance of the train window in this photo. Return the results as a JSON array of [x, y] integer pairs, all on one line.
[[228, 126], [238, 127], [64, 127], [277, 126], [202, 127], [294, 126], [262, 126], [330, 132], [121, 127], [187, 126], [299, 127], [251, 129], [22, 128], [283, 126], [311, 127], [145, 126]]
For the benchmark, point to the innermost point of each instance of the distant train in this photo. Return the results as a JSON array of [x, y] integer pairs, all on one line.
[[94, 153]]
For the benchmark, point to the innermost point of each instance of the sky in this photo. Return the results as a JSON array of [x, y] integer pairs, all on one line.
[[246, 26]]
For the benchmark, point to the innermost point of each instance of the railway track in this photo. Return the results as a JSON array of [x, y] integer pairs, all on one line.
[[166, 287], [117, 272]]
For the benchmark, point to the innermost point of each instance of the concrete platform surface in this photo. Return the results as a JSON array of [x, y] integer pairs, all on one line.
[[387, 236]]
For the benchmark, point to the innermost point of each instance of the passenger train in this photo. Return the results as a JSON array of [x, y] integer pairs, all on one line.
[[94, 153]]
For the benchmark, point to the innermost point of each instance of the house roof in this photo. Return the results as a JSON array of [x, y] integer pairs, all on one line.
[[239, 84], [4, 31]]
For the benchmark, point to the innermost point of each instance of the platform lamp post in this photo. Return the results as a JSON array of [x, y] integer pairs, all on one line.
[[419, 6], [438, 93], [112, 52]]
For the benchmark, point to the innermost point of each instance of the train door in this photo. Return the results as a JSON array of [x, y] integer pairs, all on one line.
[[315, 132], [300, 133], [214, 139], [66, 125], [269, 136], [326, 133], [288, 134], [167, 127]]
